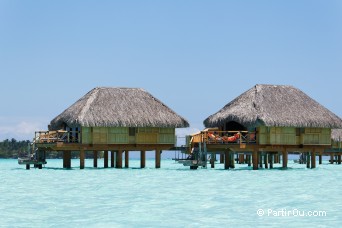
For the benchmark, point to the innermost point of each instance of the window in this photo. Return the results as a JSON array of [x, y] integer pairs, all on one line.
[[132, 131]]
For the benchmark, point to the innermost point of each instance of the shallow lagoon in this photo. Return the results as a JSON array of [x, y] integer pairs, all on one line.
[[172, 196]]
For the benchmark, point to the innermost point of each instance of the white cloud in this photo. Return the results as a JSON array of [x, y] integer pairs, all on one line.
[[20, 130]]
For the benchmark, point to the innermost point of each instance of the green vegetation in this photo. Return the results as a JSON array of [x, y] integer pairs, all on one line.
[[13, 148]]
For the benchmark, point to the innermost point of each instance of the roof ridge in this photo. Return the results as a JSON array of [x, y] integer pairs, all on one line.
[[90, 100]]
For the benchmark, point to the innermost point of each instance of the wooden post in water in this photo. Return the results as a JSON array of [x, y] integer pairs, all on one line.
[[142, 159], [241, 158], [320, 158], [255, 159], [249, 162], [119, 159], [226, 160], [232, 160], [285, 157], [308, 160], [27, 166], [82, 156], [112, 160], [260, 160], [105, 159], [271, 160], [68, 159], [126, 159], [64, 159], [221, 158], [158, 158], [339, 159], [212, 160], [266, 160], [313, 158], [331, 158], [95, 158]]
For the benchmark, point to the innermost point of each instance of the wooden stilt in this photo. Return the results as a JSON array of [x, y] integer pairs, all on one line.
[[255, 159], [64, 159], [266, 160], [313, 159], [112, 160], [126, 159], [232, 160], [241, 158], [27, 166], [331, 158], [158, 157], [260, 160], [40, 166], [308, 160], [226, 160], [271, 156], [105, 159], [95, 158], [119, 159], [68, 159], [320, 159], [339, 159], [221, 158], [82, 156], [212, 160], [249, 160], [142, 159], [285, 158]]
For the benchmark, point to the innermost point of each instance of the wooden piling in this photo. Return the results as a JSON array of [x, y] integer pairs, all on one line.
[[126, 159], [226, 160], [212, 160], [158, 158], [232, 160], [142, 159], [339, 159], [249, 162], [64, 159], [266, 160], [271, 156], [68, 159], [313, 159], [331, 158], [119, 159], [27, 166], [221, 158], [308, 160], [320, 158], [255, 159], [112, 160], [82, 156], [105, 159], [285, 158], [95, 158], [260, 160]]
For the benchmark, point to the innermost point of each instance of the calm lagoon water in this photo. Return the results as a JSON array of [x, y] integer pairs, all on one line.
[[172, 196]]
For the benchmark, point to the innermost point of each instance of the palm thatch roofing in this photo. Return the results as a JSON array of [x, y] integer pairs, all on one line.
[[118, 107], [336, 135], [277, 106]]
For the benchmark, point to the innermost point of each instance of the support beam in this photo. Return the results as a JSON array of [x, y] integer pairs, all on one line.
[[271, 157], [226, 160], [232, 160], [27, 166], [95, 158], [331, 158], [82, 156], [255, 159], [119, 159], [112, 159], [260, 160], [285, 157], [158, 157], [142, 159], [212, 160], [68, 159], [313, 159], [64, 159], [320, 158], [221, 158], [249, 160], [339, 159], [308, 160], [266, 160], [126, 159], [105, 159]]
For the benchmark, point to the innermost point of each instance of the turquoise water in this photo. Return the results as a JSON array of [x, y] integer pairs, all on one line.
[[172, 196]]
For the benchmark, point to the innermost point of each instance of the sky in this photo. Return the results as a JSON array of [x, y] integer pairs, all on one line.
[[194, 55]]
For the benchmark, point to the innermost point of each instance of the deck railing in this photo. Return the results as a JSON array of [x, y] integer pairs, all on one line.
[[225, 137], [57, 136]]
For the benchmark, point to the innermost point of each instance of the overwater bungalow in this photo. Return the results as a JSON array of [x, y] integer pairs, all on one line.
[[264, 122], [118, 120]]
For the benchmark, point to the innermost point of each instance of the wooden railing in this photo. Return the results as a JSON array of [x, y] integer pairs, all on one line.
[[225, 137], [57, 136]]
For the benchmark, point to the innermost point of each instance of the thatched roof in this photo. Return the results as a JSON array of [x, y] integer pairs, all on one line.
[[336, 135], [275, 105], [119, 107]]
